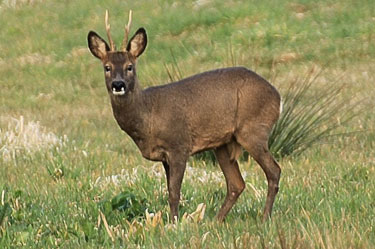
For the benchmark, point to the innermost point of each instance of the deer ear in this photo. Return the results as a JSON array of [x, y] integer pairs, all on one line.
[[97, 45], [137, 43]]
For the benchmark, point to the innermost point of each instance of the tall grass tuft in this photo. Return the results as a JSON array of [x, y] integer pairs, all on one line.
[[309, 116]]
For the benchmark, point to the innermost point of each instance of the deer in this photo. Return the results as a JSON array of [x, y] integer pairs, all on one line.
[[225, 110]]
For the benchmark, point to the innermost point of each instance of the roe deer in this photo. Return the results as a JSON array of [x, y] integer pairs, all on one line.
[[225, 110]]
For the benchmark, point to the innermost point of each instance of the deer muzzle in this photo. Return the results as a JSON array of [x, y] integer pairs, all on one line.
[[118, 87]]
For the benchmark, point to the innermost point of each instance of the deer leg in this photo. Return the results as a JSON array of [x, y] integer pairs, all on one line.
[[257, 146], [272, 171], [166, 167], [175, 172], [234, 180]]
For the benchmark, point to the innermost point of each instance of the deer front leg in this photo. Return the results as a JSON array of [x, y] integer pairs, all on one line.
[[166, 167], [174, 172]]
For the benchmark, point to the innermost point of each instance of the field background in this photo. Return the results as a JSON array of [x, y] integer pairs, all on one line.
[[63, 157]]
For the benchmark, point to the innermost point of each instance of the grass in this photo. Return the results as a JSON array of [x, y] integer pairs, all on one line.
[[53, 194], [309, 118]]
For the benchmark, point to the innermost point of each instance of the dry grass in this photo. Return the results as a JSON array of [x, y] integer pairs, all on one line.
[[18, 3], [20, 138]]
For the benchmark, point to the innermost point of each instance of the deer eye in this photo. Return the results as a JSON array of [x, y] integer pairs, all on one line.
[[107, 69], [129, 68]]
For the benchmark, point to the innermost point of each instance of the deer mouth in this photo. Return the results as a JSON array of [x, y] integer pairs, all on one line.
[[118, 88], [118, 92]]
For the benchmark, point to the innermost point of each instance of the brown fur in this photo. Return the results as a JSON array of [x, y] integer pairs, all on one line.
[[225, 110]]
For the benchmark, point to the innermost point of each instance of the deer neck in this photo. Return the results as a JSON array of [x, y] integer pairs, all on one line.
[[131, 114]]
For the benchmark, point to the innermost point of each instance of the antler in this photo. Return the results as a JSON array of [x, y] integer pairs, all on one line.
[[107, 28], [127, 31]]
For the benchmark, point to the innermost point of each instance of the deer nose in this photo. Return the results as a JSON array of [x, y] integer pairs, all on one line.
[[118, 87]]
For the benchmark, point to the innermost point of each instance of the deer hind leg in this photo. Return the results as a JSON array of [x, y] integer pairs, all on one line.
[[256, 143], [235, 183]]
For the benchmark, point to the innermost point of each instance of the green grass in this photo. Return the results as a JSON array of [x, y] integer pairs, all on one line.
[[54, 190]]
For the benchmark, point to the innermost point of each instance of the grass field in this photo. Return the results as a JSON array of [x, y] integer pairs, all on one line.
[[64, 162]]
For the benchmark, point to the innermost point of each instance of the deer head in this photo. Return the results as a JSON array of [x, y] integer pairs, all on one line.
[[119, 66]]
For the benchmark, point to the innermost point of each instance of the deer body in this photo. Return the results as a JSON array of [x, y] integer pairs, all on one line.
[[224, 110], [187, 115]]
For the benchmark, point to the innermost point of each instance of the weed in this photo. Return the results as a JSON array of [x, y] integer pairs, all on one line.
[[309, 118]]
